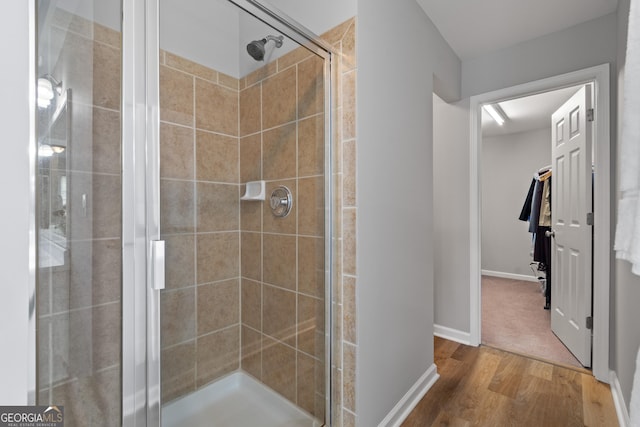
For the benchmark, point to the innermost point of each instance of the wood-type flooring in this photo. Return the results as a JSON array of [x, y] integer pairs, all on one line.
[[483, 386]]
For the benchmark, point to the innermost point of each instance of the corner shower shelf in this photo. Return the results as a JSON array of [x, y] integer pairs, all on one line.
[[255, 190]]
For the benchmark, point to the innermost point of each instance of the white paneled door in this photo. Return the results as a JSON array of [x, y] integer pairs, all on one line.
[[571, 201]]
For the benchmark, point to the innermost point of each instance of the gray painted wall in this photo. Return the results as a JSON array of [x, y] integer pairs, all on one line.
[[14, 252], [395, 199], [626, 290], [582, 46], [508, 164], [451, 212]]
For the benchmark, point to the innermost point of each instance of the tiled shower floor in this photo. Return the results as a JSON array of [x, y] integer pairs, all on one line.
[[235, 401]]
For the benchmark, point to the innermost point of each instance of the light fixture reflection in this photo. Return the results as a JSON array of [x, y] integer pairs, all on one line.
[[48, 87], [46, 150]]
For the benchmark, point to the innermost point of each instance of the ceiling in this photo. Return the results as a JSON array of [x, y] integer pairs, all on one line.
[[527, 113], [473, 28]]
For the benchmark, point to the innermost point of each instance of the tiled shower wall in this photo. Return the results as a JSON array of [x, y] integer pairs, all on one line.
[[282, 142], [200, 222], [263, 310]]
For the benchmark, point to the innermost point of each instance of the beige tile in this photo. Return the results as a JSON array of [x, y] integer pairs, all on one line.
[[218, 306], [251, 262], [228, 81], [279, 99], [310, 87], [178, 322], [349, 181], [279, 314], [176, 152], [349, 106], [95, 273], [218, 207], [94, 399], [217, 256], [162, 57], [310, 326], [306, 384], [261, 73], [176, 96], [103, 214], [106, 153], [336, 33], [275, 224], [279, 153], [349, 310], [44, 291], [176, 206], [279, 368], [251, 158], [216, 108], [250, 214], [336, 337], [178, 371], [297, 55], [279, 260], [217, 354], [311, 206], [107, 206], [311, 146], [252, 352], [252, 304], [311, 265], [348, 419], [106, 76], [336, 396], [107, 35], [217, 158], [180, 260], [349, 377], [106, 324], [349, 48], [61, 290], [250, 110], [349, 243], [190, 67]]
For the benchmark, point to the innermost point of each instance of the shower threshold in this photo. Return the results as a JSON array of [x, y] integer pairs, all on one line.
[[237, 400]]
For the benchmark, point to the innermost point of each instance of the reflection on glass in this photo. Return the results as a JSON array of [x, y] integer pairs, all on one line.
[[79, 279]]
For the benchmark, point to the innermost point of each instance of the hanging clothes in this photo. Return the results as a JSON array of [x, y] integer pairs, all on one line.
[[537, 210]]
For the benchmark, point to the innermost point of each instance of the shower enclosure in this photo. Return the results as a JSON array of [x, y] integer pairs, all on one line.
[[184, 195]]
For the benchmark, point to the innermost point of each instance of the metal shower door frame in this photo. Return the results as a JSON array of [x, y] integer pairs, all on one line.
[[141, 376]]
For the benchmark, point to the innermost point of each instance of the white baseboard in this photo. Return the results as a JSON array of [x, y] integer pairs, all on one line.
[[525, 277], [618, 401], [452, 334], [403, 408]]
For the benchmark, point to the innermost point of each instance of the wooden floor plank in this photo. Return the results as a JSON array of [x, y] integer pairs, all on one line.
[[482, 386], [597, 402]]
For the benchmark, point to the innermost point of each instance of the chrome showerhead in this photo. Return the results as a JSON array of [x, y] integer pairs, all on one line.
[[256, 47]]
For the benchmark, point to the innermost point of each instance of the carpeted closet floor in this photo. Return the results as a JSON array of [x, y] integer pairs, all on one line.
[[513, 319]]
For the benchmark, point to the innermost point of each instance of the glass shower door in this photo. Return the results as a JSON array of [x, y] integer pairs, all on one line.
[[79, 220], [243, 310]]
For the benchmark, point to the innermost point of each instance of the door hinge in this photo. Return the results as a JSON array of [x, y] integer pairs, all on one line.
[[589, 322], [590, 115], [590, 218]]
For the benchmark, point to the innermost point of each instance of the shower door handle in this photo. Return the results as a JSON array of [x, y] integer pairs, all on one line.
[[157, 264]]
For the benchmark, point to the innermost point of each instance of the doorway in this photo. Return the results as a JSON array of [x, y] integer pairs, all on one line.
[[599, 76], [516, 272]]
